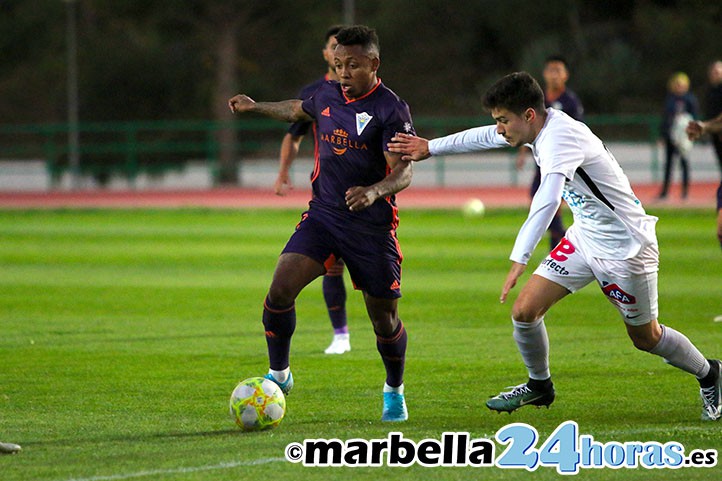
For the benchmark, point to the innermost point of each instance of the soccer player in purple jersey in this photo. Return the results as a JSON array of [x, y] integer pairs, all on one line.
[[352, 214], [334, 290]]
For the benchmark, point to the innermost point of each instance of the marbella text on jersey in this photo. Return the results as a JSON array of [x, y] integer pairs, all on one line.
[[340, 142]]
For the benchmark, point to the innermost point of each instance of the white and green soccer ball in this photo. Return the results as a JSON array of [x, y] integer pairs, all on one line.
[[257, 403]]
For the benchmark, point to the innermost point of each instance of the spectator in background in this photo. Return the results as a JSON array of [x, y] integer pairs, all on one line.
[[695, 130], [557, 96], [680, 107], [713, 104]]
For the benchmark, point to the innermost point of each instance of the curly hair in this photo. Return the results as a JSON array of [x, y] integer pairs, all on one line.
[[360, 35]]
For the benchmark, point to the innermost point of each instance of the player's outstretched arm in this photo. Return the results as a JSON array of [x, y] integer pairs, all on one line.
[[471, 140], [286, 110], [714, 126], [411, 147], [359, 198], [694, 130], [289, 151]]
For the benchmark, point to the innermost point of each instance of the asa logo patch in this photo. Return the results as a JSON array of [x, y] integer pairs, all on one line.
[[616, 293]]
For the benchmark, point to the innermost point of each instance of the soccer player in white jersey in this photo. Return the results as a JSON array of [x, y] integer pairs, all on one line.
[[612, 240]]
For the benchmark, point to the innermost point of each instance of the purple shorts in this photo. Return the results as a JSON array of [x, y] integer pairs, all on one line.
[[373, 259]]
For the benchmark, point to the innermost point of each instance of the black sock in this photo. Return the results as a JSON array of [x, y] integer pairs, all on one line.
[[334, 293], [279, 322], [537, 385], [711, 378], [393, 353]]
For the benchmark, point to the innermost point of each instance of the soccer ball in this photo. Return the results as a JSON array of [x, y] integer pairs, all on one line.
[[257, 404], [474, 208]]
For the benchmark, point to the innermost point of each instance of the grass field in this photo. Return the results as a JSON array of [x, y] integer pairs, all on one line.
[[123, 333]]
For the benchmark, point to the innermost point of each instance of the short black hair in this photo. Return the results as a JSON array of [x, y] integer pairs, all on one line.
[[515, 92], [557, 58], [360, 35], [333, 31]]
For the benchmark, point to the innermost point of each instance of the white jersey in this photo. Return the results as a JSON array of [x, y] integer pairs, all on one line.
[[609, 221]]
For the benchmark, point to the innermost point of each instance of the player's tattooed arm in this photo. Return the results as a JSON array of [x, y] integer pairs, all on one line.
[[359, 198], [286, 110]]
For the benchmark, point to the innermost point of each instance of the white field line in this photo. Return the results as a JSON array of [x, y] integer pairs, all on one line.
[[236, 464], [191, 469]]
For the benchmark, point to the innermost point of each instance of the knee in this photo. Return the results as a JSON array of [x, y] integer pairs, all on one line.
[[645, 342], [281, 295], [523, 312], [385, 326]]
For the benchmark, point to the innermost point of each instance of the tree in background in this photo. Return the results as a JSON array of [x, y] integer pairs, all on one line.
[[179, 59]]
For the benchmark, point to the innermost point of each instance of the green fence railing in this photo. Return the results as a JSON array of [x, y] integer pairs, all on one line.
[[155, 147]]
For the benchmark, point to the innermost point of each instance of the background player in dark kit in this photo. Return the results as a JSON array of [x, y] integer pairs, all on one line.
[[334, 290]]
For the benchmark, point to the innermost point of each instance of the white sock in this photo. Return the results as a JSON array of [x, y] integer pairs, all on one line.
[[679, 351], [280, 376], [398, 389], [533, 343]]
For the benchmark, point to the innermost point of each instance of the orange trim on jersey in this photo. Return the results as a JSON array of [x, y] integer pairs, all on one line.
[[303, 217], [328, 263], [336, 269], [394, 225], [396, 241], [316, 154], [349, 101]]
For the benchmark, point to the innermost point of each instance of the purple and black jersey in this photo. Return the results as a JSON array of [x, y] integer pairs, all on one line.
[[301, 128], [351, 137], [569, 103]]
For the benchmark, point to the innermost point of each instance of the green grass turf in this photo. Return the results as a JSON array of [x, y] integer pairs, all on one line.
[[123, 333]]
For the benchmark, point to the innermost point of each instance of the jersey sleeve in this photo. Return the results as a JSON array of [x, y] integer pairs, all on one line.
[[399, 120], [560, 153], [309, 106], [471, 140], [301, 128], [576, 109], [543, 207]]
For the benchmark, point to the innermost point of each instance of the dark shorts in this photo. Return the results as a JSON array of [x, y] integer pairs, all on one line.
[[719, 196], [373, 260]]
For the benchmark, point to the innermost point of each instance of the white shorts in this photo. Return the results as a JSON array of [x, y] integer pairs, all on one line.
[[629, 284]]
